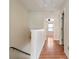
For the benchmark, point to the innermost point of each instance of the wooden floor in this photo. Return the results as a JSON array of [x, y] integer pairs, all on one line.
[[52, 50]]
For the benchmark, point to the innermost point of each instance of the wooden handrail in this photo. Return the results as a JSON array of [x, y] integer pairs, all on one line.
[[20, 51]]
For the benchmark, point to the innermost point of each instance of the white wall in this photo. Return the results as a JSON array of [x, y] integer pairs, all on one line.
[[37, 42], [19, 29], [38, 20], [66, 29], [35, 20], [57, 26]]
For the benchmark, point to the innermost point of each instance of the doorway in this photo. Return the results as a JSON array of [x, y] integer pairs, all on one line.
[[62, 28], [50, 27]]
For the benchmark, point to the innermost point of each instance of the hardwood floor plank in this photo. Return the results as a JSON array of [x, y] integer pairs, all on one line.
[[52, 50]]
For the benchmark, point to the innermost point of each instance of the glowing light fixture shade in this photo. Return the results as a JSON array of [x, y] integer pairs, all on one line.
[[52, 19]]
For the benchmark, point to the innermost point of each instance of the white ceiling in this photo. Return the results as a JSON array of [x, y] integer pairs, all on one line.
[[43, 5]]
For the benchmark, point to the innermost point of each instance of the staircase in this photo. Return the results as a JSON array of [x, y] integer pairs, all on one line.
[[37, 43], [18, 54]]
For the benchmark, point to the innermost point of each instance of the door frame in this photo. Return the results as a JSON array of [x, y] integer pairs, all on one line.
[[62, 28]]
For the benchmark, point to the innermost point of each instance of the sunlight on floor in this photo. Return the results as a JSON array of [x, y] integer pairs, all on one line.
[[50, 42]]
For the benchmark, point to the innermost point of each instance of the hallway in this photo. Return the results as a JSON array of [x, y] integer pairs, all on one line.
[[52, 50], [32, 21]]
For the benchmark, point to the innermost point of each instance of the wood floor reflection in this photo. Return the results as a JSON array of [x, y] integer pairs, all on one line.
[[52, 50]]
